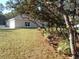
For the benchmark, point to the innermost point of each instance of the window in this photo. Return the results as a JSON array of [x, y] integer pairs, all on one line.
[[27, 23]]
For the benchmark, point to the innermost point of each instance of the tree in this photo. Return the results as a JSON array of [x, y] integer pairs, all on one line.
[[65, 8], [1, 7], [11, 14], [2, 19]]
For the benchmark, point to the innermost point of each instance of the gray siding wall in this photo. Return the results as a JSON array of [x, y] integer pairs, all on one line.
[[21, 23]]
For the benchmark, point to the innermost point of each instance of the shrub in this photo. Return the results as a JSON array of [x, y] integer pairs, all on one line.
[[63, 47]]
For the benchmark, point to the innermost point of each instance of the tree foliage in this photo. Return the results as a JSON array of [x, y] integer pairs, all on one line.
[[2, 19], [51, 10], [1, 7]]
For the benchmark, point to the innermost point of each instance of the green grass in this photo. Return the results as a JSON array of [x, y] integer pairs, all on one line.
[[23, 44]]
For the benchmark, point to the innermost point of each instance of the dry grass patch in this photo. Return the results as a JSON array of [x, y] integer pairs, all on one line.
[[24, 44]]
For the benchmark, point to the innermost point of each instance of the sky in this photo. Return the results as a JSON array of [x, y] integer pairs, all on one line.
[[3, 2]]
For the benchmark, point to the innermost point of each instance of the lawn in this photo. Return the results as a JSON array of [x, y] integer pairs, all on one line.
[[24, 44]]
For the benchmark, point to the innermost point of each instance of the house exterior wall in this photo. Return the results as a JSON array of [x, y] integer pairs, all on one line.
[[10, 23], [7, 23], [19, 22]]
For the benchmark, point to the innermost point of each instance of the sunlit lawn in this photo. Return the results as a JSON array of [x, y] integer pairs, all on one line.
[[23, 44]]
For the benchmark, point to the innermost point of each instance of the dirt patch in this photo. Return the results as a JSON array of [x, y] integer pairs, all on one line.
[[51, 51]]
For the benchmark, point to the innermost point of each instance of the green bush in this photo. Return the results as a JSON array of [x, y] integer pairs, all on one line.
[[46, 34], [63, 47]]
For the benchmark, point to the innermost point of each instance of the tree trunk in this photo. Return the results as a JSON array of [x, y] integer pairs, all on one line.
[[71, 34]]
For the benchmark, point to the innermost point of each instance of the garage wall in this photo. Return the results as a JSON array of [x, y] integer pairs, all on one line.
[[20, 22], [10, 23]]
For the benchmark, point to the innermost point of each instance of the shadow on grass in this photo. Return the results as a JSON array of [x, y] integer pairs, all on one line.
[[30, 28], [6, 30], [10, 30]]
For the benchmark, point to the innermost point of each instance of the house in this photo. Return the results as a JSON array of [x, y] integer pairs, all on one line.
[[22, 21]]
